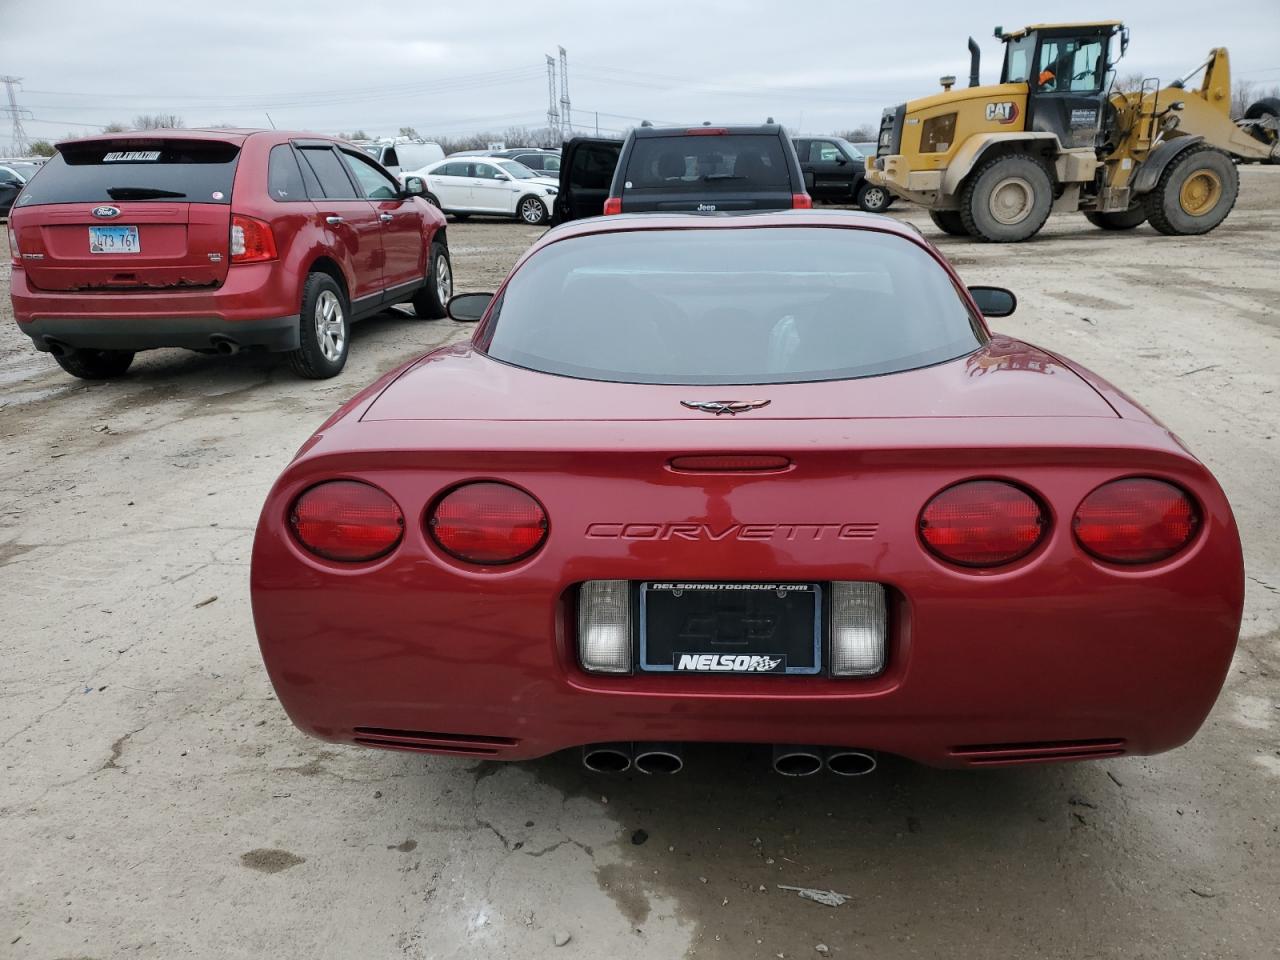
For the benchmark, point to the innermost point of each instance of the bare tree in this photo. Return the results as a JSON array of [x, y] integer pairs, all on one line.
[[410, 132], [862, 132], [41, 148], [1130, 83], [1245, 93], [158, 121]]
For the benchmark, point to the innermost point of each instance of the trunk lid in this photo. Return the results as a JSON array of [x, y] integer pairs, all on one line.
[[129, 213], [1005, 378]]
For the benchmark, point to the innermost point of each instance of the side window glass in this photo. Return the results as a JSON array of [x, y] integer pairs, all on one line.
[[486, 171], [389, 159], [1070, 66], [284, 178], [331, 173], [823, 151], [375, 184]]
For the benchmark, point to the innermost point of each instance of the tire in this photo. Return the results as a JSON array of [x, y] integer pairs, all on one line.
[[1135, 216], [430, 302], [95, 364], [432, 199], [531, 211], [949, 222], [873, 199], [1195, 192], [324, 330], [1007, 199], [1259, 110]]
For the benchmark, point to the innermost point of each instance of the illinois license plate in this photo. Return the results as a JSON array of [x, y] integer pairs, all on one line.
[[719, 628], [114, 240]]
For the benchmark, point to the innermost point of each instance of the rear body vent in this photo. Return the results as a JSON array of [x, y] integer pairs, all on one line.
[[1047, 751], [420, 741]]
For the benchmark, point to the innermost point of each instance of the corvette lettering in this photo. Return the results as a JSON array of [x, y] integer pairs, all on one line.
[[728, 663], [750, 532]]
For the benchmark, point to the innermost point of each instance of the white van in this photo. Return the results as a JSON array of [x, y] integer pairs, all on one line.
[[404, 156]]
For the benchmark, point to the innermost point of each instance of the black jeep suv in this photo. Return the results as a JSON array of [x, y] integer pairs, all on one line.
[[700, 169], [835, 172]]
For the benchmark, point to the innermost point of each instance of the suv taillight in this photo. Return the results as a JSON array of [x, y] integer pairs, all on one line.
[[14, 258], [801, 201], [612, 205], [251, 240]]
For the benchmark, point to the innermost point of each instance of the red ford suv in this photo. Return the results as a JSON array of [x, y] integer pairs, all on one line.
[[217, 241]]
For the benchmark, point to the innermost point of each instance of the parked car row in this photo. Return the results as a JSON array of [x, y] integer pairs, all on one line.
[[13, 177], [218, 241]]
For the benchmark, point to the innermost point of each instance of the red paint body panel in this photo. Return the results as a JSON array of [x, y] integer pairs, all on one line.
[[1056, 656]]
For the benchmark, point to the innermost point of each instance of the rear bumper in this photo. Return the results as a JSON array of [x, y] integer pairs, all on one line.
[[256, 307]]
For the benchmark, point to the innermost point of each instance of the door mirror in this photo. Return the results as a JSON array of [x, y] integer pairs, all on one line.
[[468, 307], [9, 182], [994, 301], [501, 176], [841, 160], [414, 187]]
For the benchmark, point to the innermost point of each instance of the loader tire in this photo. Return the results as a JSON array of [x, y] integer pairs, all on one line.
[[1194, 193], [1007, 199], [1259, 110], [1135, 216], [949, 222]]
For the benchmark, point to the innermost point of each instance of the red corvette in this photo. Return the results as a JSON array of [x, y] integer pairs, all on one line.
[[762, 479]]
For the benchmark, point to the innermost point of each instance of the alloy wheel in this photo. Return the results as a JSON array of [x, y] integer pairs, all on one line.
[[531, 211], [444, 279], [331, 332]]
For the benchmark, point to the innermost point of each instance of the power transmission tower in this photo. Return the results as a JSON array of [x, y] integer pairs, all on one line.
[[553, 115], [21, 146], [566, 114]]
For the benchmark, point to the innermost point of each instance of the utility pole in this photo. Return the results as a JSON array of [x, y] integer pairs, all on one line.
[[553, 115], [566, 114], [21, 146]]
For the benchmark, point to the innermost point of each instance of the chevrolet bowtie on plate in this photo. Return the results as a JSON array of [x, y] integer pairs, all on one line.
[[765, 479]]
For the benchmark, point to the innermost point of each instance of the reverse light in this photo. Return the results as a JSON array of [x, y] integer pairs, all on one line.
[[858, 628], [604, 626], [1136, 520], [488, 523], [982, 523], [801, 201], [251, 240], [612, 205], [346, 520]]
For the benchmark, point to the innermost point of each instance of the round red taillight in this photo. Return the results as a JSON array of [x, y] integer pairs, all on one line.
[[488, 523], [1136, 520], [982, 523], [346, 520]]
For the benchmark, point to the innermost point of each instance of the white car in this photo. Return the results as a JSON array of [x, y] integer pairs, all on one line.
[[402, 157], [490, 185]]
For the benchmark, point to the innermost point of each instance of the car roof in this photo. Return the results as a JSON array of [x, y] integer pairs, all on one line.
[[729, 129], [629, 222], [236, 135]]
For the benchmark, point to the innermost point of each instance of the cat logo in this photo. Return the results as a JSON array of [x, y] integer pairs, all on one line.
[[1005, 111]]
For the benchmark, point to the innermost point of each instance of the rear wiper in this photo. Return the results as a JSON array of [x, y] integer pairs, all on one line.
[[723, 176], [142, 193]]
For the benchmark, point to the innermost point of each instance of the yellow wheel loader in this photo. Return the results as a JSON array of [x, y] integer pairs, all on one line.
[[992, 162]]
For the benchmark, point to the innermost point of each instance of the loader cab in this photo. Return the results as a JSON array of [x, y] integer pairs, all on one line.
[[1066, 68]]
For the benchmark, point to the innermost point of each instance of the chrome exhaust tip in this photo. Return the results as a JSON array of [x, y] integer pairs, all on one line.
[[849, 762], [659, 757], [224, 345], [607, 757], [794, 761]]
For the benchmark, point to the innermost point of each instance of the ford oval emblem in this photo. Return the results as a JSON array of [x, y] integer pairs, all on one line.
[[106, 213]]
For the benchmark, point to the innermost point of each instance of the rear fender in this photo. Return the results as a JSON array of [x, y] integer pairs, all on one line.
[[984, 145], [1148, 174]]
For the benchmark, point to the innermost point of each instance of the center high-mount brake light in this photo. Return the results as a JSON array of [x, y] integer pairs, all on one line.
[[346, 520], [982, 523], [707, 132], [251, 240], [612, 205], [488, 523]]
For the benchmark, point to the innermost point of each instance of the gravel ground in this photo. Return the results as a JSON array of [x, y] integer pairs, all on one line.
[[156, 803]]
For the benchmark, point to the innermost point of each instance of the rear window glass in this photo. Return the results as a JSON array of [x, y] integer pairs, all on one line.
[[707, 163], [195, 171], [731, 306]]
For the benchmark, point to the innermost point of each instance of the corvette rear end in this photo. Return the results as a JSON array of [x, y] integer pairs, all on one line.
[[992, 558]]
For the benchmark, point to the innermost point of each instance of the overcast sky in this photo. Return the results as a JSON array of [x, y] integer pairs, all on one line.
[[452, 68]]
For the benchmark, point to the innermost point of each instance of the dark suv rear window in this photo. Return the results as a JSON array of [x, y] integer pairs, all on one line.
[[720, 306], [193, 171], [734, 162]]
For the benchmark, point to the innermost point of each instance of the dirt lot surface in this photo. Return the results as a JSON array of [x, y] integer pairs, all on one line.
[[156, 803]]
